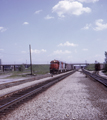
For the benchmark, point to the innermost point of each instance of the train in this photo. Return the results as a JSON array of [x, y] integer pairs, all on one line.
[[99, 66], [57, 66]]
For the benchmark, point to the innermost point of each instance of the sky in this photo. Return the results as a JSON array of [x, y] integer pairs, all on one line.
[[73, 31]]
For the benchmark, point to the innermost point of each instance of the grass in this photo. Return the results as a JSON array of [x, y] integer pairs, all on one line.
[[18, 74], [91, 67], [37, 69], [41, 69]]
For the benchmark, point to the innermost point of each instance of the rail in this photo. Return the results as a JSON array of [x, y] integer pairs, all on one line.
[[96, 77], [21, 97]]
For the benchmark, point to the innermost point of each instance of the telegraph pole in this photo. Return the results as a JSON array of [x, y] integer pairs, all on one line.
[[30, 58]]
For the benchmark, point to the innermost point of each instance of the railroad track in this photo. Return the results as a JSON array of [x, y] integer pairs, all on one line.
[[96, 76], [4, 104]]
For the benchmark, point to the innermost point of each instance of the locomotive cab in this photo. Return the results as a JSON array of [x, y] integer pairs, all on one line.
[[54, 66]]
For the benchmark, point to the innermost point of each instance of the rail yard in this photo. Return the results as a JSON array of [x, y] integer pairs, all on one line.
[[53, 60], [74, 95]]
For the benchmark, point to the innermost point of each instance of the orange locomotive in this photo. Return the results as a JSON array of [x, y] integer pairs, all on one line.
[[57, 66]]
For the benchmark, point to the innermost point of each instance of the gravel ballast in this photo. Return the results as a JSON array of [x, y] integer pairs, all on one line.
[[74, 98], [6, 83]]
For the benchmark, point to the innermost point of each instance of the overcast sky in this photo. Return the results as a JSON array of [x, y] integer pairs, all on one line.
[[68, 30]]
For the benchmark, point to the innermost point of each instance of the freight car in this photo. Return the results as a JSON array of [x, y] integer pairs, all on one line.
[[69, 67], [57, 66], [97, 66]]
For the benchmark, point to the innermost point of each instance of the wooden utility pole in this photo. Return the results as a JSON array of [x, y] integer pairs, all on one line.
[[30, 58]]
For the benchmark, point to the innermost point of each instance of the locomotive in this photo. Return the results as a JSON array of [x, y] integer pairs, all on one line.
[[57, 66]]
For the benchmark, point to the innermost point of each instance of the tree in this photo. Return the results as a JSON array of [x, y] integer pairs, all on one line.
[[105, 68]]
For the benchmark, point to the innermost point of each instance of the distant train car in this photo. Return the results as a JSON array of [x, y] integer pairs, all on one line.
[[69, 67], [101, 66], [97, 66]]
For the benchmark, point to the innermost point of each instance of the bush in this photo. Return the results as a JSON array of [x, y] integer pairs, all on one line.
[[105, 68], [40, 69], [22, 68], [91, 67]]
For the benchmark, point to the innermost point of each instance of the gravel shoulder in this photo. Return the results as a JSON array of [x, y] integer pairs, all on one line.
[[74, 98], [6, 83]]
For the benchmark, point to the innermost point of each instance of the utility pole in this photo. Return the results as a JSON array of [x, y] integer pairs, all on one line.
[[30, 58]]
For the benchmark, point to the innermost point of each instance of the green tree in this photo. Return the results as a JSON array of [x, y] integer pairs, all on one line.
[[105, 68]]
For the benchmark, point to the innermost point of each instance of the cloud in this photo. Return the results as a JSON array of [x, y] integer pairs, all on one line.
[[85, 49], [67, 7], [2, 29], [43, 50], [97, 55], [1, 49], [69, 57], [87, 26], [25, 23], [49, 17], [88, 1], [38, 51], [38, 11], [61, 52], [100, 25], [67, 43]]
